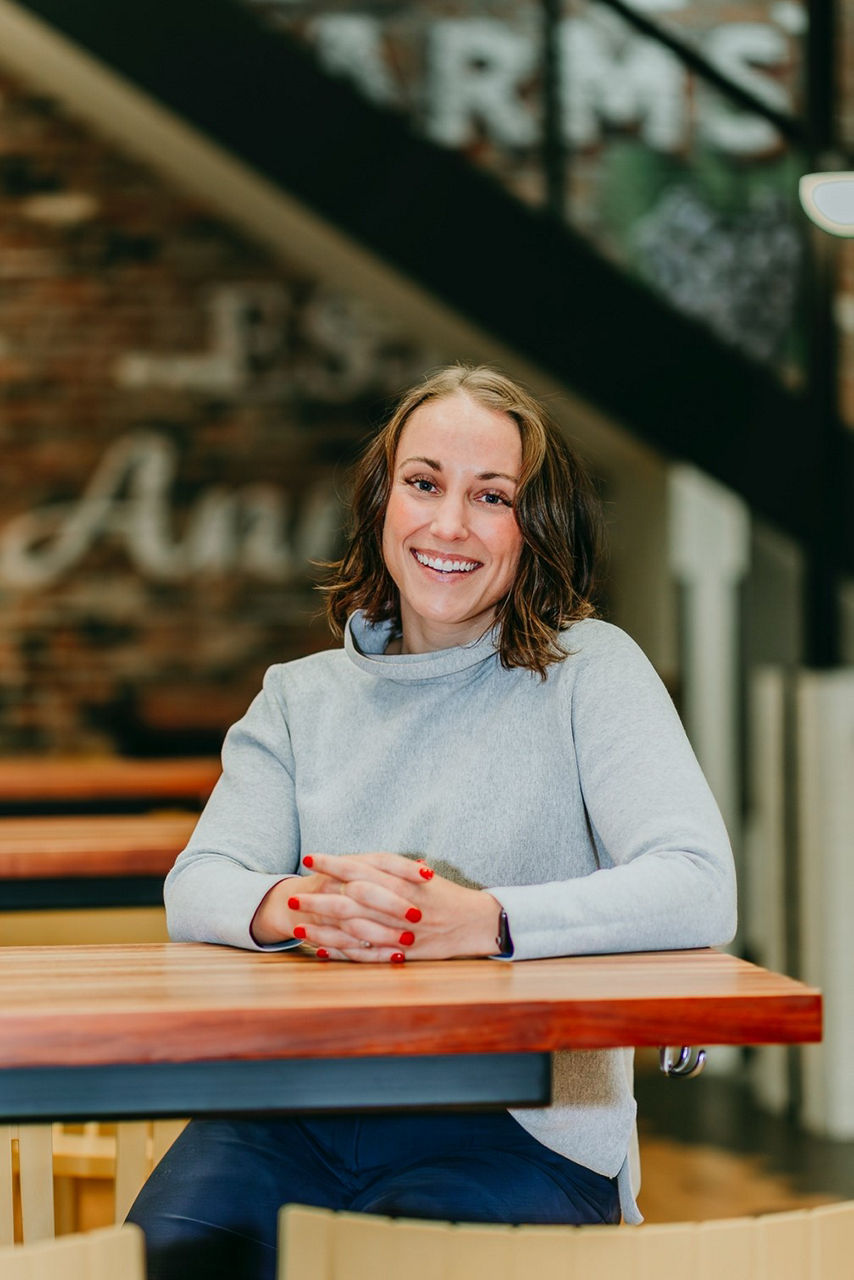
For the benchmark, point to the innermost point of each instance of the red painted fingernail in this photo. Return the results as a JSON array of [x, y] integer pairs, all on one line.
[[293, 903], [413, 915], [299, 931], [308, 860], [426, 872], [397, 957], [322, 953], [407, 938]]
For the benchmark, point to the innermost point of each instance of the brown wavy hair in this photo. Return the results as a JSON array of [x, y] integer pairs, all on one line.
[[556, 510]]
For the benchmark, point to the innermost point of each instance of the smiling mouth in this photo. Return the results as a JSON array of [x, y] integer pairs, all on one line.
[[440, 565]]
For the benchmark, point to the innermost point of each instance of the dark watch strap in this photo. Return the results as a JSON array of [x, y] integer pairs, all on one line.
[[503, 940]]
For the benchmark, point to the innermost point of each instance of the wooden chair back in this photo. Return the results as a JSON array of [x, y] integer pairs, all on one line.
[[113, 1253], [814, 1244], [43, 1167]]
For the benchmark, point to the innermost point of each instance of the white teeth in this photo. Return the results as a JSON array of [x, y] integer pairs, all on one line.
[[446, 566]]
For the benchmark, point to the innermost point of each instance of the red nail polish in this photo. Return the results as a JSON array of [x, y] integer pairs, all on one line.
[[293, 903], [322, 953], [308, 860], [299, 931], [426, 872], [413, 915], [397, 957], [407, 938]]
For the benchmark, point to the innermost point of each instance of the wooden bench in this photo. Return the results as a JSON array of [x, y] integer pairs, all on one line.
[[89, 860], [91, 832], [45, 784]]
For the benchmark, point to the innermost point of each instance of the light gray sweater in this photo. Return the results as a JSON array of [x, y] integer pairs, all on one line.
[[576, 801]]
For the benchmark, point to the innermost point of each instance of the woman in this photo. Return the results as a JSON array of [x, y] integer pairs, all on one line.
[[484, 769]]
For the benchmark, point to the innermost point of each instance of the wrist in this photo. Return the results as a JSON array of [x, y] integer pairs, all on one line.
[[496, 934], [273, 920]]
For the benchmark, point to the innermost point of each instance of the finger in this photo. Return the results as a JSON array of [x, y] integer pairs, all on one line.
[[359, 933], [362, 900], [352, 866], [377, 955]]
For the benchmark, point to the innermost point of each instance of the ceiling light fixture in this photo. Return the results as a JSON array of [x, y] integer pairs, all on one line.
[[828, 199]]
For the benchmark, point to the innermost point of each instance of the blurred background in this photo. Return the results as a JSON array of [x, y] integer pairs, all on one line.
[[232, 230]]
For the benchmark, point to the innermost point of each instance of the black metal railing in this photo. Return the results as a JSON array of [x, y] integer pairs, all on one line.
[[675, 192]]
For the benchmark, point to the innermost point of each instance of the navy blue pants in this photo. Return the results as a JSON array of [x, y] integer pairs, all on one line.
[[209, 1209]]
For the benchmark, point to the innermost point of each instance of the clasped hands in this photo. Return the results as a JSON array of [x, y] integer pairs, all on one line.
[[377, 908]]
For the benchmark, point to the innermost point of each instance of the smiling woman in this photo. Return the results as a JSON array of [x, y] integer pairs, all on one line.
[[484, 769], [497, 439]]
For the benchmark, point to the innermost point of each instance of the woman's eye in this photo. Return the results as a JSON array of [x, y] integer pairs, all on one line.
[[496, 499], [422, 484]]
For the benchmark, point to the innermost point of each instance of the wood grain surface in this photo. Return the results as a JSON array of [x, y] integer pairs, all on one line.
[[45, 779], [186, 1002], [146, 844]]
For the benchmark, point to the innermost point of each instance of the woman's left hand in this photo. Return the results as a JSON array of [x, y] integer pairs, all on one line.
[[392, 908]]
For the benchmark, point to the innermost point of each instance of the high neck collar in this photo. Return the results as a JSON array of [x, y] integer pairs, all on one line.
[[365, 645]]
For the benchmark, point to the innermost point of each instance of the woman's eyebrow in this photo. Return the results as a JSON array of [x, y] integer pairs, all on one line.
[[430, 462], [483, 475]]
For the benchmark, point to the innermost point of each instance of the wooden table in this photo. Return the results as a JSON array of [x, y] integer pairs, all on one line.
[[89, 860], [193, 1029], [45, 784]]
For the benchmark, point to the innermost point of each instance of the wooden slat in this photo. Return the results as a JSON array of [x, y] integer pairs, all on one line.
[[36, 848], [133, 1163], [191, 1002], [479, 1250], [726, 1249], [783, 1246], [362, 1246], [603, 1252], [44, 779], [420, 1250], [35, 1163], [7, 1218], [665, 1249], [832, 1241], [305, 1244], [545, 1253]]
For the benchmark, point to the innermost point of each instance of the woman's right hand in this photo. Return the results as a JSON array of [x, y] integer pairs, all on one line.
[[274, 921]]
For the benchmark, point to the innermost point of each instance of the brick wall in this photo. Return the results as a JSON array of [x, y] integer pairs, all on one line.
[[176, 413]]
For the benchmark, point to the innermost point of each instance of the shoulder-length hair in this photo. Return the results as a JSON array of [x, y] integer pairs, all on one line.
[[555, 506]]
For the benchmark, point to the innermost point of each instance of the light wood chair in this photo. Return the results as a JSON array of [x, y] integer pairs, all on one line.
[[814, 1244], [45, 1171], [114, 1253], [98, 1169]]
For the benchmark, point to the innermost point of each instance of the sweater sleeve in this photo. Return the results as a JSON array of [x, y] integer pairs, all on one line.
[[247, 838], [666, 878]]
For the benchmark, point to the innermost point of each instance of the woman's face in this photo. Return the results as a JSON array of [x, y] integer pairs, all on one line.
[[450, 538]]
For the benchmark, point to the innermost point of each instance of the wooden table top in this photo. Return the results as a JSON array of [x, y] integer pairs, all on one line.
[[147, 844], [41, 779], [188, 1002]]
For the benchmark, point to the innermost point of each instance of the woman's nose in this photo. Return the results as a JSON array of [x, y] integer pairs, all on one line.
[[449, 518]]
